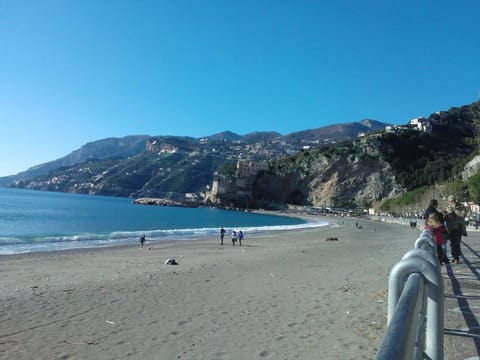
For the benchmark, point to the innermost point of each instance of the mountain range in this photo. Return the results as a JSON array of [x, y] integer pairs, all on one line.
[[343, 165], [141, 165]]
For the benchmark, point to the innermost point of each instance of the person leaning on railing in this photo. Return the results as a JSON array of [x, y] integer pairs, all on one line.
[[434, 223]]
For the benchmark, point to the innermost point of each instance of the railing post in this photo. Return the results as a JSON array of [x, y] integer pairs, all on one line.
[[403, 335], [420, 261], [435, 306]]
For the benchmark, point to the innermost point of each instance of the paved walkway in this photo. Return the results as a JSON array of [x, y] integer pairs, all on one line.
[[462, 302]]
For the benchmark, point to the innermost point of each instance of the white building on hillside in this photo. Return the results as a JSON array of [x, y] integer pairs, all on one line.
[[420, 124]]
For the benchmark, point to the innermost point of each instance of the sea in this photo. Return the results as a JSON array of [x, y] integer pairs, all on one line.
[[32, 221]]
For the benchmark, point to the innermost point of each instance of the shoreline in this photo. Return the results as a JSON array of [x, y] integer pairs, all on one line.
[[282, 295], [315, 218], [159, 240]]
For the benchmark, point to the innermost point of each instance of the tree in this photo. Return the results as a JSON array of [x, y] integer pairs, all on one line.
[[229, 169]]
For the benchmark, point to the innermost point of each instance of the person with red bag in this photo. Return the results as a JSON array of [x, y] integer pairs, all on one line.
[[434, 222]]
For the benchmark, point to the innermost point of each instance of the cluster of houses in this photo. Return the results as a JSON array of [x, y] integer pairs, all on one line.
[[419, 123]]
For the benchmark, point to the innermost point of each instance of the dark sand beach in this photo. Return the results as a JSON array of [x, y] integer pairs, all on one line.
[[283, 295]]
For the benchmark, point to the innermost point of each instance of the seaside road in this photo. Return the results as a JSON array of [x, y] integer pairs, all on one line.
[[462, 302]]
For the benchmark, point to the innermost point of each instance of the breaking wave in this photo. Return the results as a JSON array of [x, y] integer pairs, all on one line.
[[16, 245]]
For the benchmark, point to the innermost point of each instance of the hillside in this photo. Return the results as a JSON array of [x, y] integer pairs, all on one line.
[[311, 167], [101, 149], [169, 166], [368, 170], [337, 132]]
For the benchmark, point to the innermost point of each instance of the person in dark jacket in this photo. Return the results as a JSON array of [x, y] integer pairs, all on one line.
[[222, 235], [455, 221], [432, 207]]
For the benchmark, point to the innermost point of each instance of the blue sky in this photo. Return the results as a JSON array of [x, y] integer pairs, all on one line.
[[72, 72]]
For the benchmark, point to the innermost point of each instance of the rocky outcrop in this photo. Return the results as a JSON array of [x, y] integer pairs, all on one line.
[[352, 180], [230, 191], [471, 168], [335, 181], [162, 202], [160, 147]]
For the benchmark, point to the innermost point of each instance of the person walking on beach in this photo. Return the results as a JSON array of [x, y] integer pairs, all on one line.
[[240, 237], [455, 221], [222, 235], [142, 240], [234, 237]]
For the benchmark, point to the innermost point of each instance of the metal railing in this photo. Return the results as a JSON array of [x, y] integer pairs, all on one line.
[[415, 305]]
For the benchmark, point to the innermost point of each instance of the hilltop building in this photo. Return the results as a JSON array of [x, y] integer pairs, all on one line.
[[235, 187], [246, 168], [420, 124]]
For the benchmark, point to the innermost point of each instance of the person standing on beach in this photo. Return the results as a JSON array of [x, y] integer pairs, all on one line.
[[142, 240], [455, 221], [240, 237], [222, 235], [234, 237]]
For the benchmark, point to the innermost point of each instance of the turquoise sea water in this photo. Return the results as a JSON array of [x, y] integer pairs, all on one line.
[[39, 221]]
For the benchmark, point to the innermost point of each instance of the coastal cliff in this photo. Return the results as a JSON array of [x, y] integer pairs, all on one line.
[[316, 179], [365, 164], [365, 172]]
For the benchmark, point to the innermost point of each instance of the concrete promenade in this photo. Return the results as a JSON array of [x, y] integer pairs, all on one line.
[[462, 302], [462, 296]]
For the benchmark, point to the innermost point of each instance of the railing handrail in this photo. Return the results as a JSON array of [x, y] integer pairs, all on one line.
[[415, 305]]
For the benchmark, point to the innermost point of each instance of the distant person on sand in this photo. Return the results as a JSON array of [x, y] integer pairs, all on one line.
[[240, 237], [234, 237], [142, 240], [222, 235]]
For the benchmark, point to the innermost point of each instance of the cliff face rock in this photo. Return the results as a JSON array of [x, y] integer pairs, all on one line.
[[471, 168], [159, 147], [363, 180], [320, 180]]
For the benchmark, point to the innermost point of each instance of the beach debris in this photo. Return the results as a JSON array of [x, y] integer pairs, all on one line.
[[34, 290], [110, 322], [331, 238], [345, 287], [171, 262], [93, 342]]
